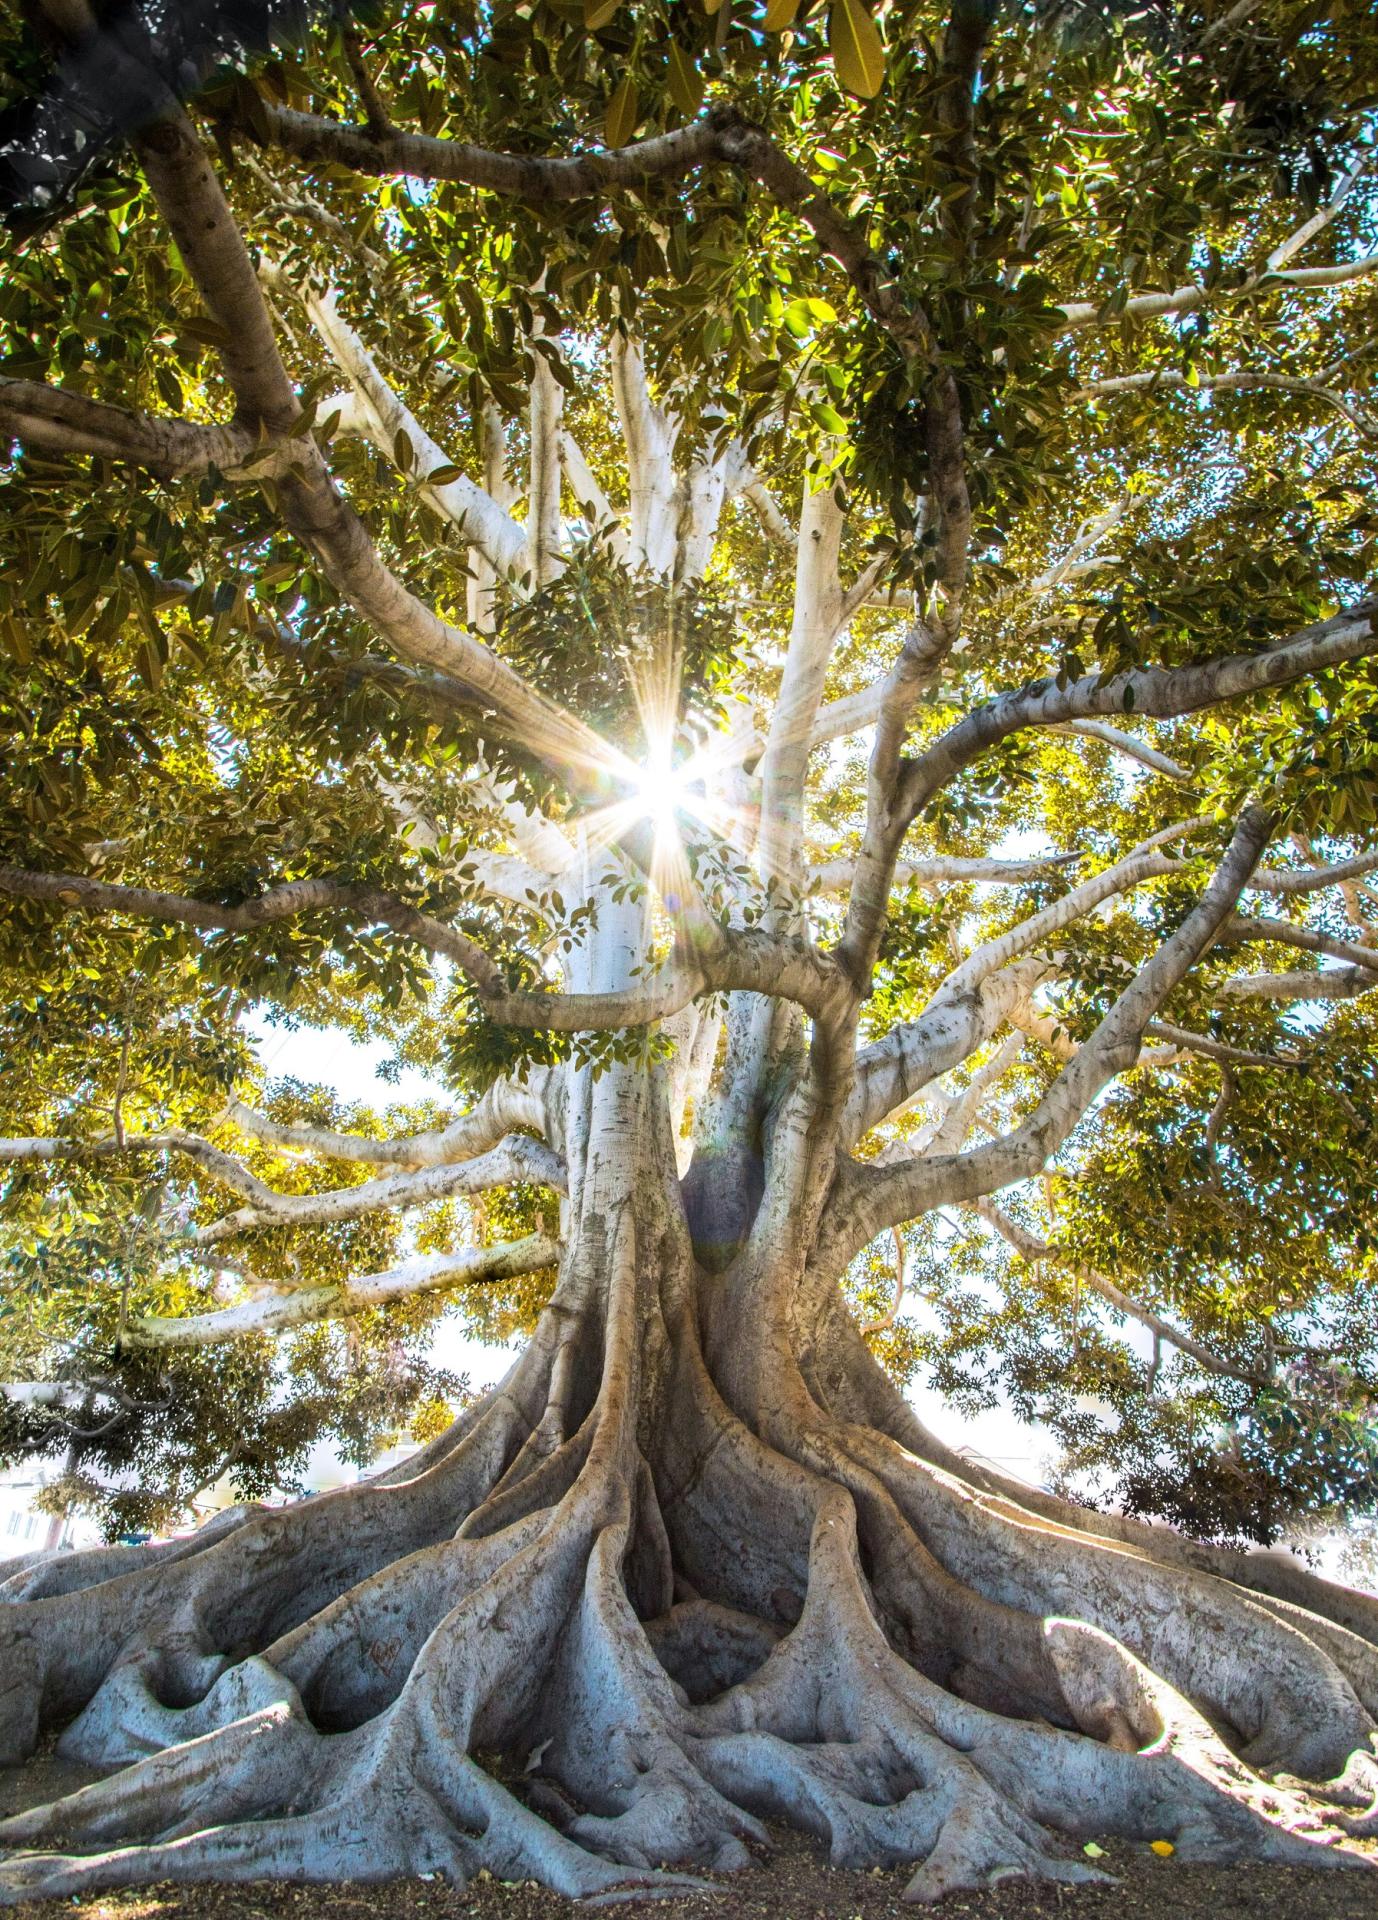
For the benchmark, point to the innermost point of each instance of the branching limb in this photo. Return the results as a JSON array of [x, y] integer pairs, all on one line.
[[736, 960], [888, 1196], [514, 1160], [1160, 692], [296, 897], [1036, 1251], [1143, 863], [273, 1311], [920, 658], [892, 1072], [195, 209]]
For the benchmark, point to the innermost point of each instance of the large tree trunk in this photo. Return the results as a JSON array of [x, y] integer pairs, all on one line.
[[689, 1567]]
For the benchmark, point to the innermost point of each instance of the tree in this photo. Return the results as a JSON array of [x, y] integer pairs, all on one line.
[[465, 473]]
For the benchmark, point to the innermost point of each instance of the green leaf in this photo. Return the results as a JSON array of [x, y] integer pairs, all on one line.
[[624, 110], [828, 418], [858, 55], [686, 82], [780, 14], [403, 453], [597, 13], [442, 476]]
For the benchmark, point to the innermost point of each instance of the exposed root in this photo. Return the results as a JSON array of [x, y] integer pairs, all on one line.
[[674, 1622]]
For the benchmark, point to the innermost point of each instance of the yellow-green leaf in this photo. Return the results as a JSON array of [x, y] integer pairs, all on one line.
[[597, 13], [780, 14], [711, 6], [624, 110], [856, 48], [686, 82]]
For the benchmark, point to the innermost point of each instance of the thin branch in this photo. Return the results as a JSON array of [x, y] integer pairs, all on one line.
[[593, 501], [1168, 379], [889, 1317], [1211, 1049], [767, 509], [1142, 863], [296, 897], [1242, 928], [18, 1150], [1078, 314], [1130, 746], [390, 423], [1311, 879], [1038, 1252]]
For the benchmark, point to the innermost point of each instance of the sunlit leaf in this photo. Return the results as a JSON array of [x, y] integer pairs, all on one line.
[[855, 44]]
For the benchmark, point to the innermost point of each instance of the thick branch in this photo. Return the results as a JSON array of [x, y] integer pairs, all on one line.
[[60, 421], [1160, 692], [1331, 983], [514, 1160], [938, 870], [504, 1107], [273, 1311]]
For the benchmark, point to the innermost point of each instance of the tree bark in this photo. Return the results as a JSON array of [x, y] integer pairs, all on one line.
[[693, 1565]]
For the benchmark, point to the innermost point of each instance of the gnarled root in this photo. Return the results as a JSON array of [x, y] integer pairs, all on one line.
[[673, 1622]]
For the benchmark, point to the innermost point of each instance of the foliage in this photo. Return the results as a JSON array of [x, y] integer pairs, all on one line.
[[188, 703]]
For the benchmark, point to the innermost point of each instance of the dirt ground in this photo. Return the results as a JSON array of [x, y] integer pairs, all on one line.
[[794, 1882]]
